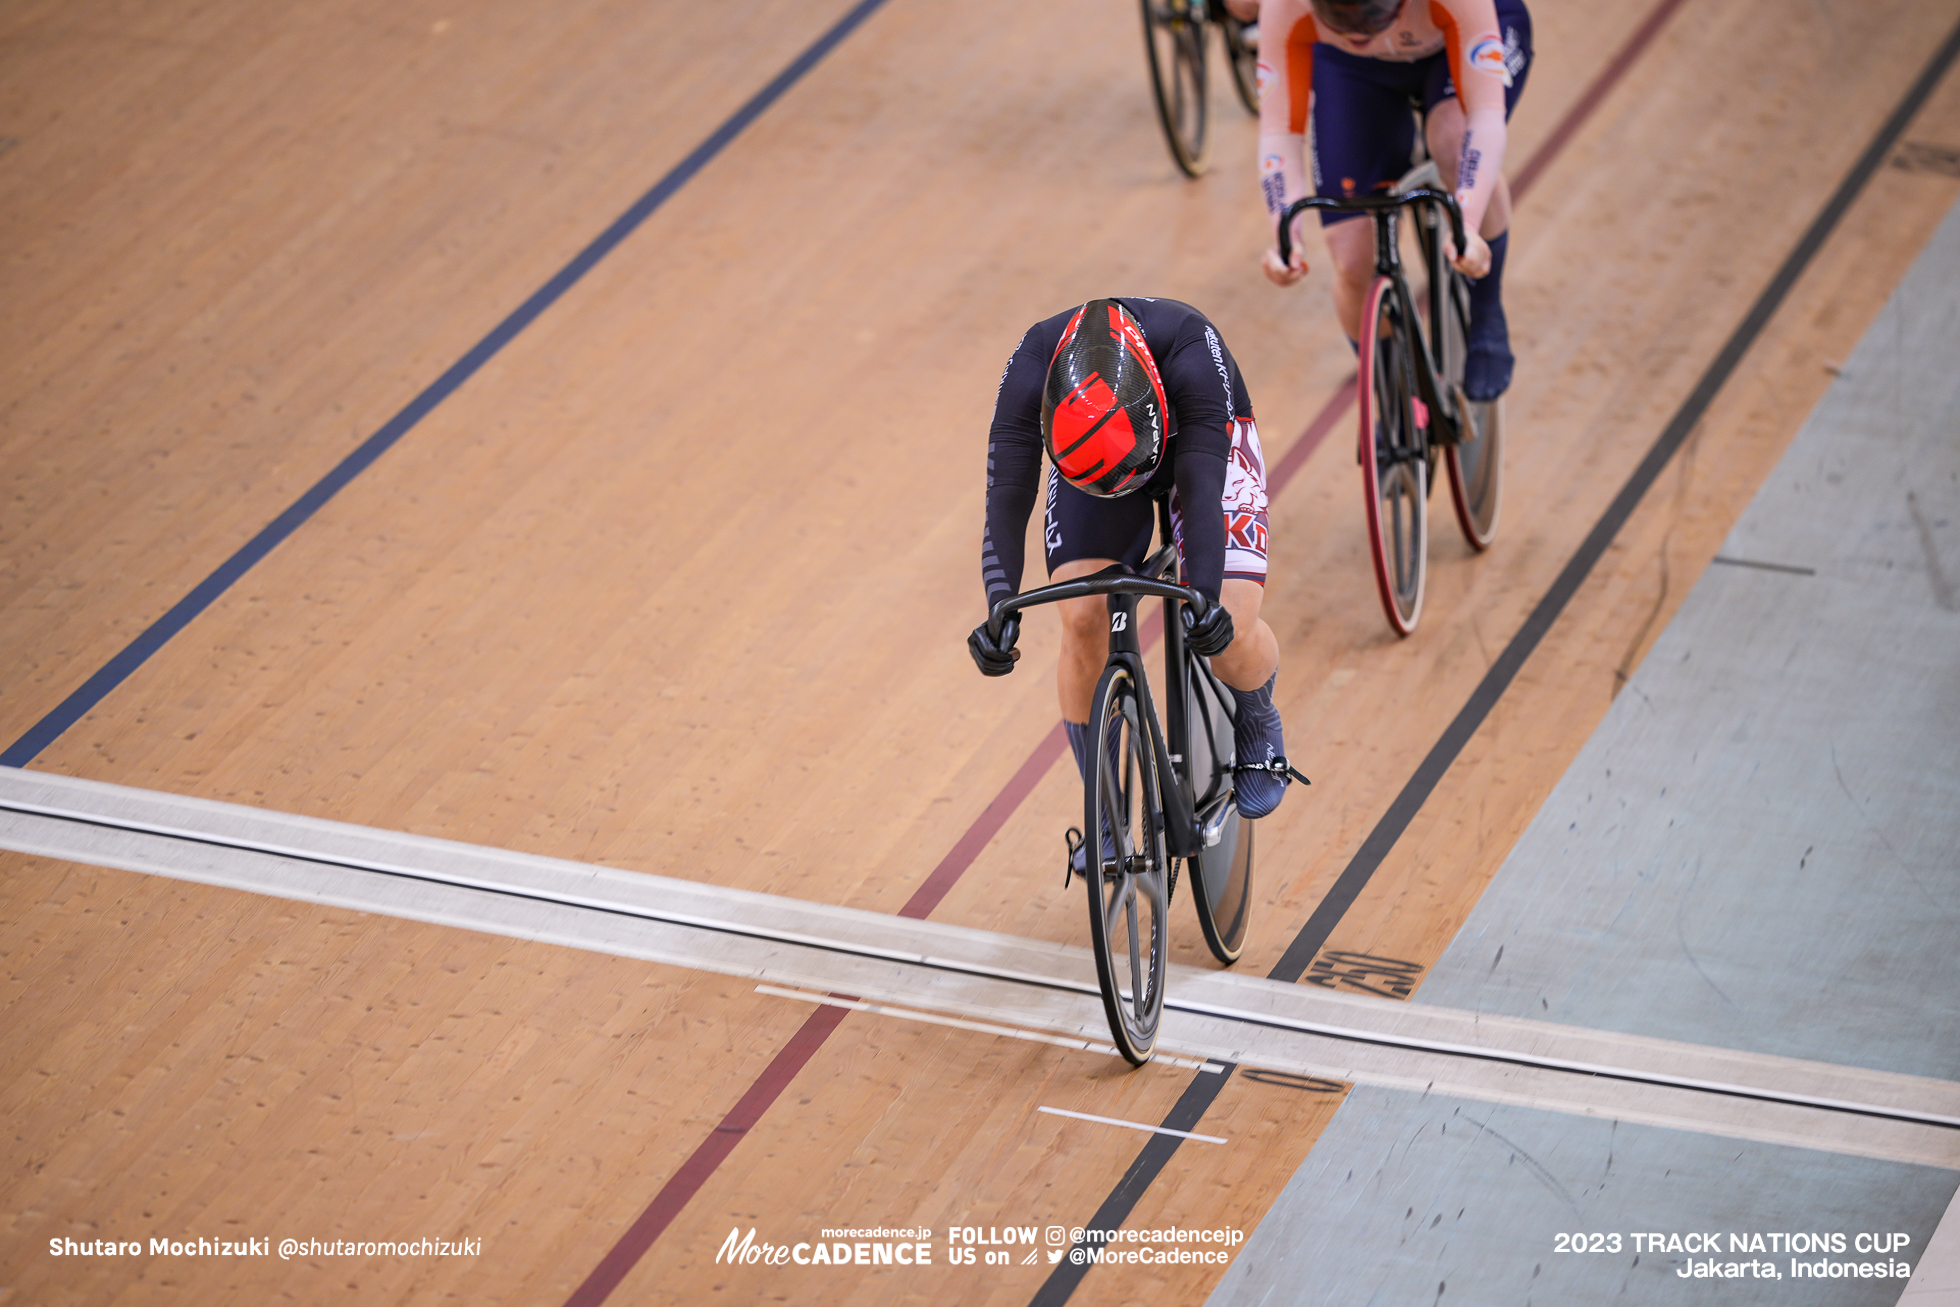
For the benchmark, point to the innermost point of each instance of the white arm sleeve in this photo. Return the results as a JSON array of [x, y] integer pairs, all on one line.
[[1283, 172], [1477, 167]]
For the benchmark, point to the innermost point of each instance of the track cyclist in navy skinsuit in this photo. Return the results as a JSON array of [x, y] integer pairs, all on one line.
[[1349, 72], [1133, 400]]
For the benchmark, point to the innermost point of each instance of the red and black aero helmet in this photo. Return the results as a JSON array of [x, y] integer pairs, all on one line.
[[1357, 17], [1103, 415]]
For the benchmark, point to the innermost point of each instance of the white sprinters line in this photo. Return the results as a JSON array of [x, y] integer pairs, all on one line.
[[1134, 1125], [982, 1027], [221, 837], [1546, 1062], [963, 973]]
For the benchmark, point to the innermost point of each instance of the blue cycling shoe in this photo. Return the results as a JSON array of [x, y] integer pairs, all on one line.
[[1258, 738]]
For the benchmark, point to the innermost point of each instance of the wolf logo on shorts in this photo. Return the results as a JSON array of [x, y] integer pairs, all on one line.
[[1244, 504]]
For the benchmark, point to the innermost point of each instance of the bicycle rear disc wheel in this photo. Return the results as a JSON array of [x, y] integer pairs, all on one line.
[[1221, 885], [1476, 470], [1394, 463], [1174, 39], [1221, 873], [1244, 61], [1476, 462], [1128, 877]]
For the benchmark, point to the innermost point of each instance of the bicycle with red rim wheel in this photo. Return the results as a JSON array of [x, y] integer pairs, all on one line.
[[1413, 411]]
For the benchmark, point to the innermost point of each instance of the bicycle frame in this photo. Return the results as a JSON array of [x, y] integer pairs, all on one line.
[[1385, 209], [1185, 835], [1204, 825]]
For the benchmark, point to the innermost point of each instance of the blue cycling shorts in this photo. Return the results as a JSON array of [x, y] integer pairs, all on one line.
[[1078, 525], [1363, 134]]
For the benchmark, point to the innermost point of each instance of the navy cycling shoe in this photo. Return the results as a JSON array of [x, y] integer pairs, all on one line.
[[1487, 362], [1259, 741], [1078, 852]]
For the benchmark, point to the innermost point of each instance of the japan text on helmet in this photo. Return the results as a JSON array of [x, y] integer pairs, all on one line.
[[1103, 415], [1357, 17]]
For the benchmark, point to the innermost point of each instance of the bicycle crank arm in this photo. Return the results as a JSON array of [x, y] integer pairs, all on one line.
[[1211, 829]]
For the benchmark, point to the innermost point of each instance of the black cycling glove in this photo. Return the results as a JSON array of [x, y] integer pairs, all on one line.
[[991, 657], [1211, 634]]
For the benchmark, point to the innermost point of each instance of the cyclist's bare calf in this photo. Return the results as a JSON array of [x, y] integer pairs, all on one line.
[[1247, 664]]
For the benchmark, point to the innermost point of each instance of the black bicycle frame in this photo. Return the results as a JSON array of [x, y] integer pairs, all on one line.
[[1384, 209], [1123, 588]]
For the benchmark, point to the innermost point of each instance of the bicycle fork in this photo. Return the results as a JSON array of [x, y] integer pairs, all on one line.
[[1182, 836]]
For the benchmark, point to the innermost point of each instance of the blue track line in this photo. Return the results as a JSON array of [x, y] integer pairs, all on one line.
[[119, 668]]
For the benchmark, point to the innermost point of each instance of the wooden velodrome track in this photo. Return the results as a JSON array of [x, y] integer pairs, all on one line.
[[678, 579]]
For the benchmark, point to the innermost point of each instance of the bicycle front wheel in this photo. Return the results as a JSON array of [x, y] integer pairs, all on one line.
[[1394, 457], [1127, 880], [1174, 38]]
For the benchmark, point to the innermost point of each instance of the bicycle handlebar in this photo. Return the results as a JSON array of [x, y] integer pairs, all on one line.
[[1109, 581], [1369, 204]]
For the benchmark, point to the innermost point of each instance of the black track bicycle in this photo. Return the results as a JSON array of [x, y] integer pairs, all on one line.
[[1155, 796], [1412, 407], [1175, 33]]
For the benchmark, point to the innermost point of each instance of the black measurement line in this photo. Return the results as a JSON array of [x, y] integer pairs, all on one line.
[[1764, 567], [1314, 935], [1184, 1115], [1382, 839], [207, 592], [845, 948]]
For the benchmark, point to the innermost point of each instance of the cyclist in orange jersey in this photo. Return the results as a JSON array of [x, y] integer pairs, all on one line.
[[1347, 73]]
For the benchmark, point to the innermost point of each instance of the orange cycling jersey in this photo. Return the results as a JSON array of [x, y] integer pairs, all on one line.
[[1467, 29]]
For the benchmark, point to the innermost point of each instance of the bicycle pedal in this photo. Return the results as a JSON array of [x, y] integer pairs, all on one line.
[[1278, 766], [1073, 839]]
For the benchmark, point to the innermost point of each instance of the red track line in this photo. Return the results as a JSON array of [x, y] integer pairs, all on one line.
[[803, 1045], [1323, 422], [1609, 77], [694, 1172], [986, 826]]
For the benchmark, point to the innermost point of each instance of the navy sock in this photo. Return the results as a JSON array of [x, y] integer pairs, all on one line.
[[1259, 700], [1487, 291], [1259, 740], [1487, 370], [1258, 720], [1078, 743]]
